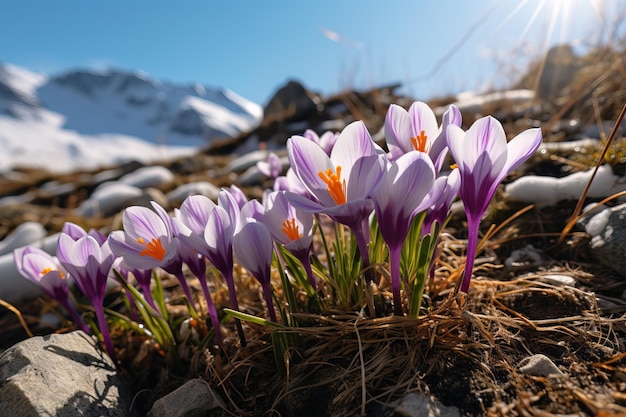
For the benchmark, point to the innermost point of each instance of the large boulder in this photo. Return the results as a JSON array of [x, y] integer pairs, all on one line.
[[61, 375], [292, 102]]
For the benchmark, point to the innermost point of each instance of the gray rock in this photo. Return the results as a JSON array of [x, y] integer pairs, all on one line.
[[151, 176], [539, 365], [559, 280], [13, 286], [180, 193], [24, 234], [63, 376], [608, 237], [193, 399], [292, 102], [420, 405], [108, 199]]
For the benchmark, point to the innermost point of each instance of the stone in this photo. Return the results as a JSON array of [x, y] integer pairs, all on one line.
[[180, 193], [150, 176], [14, 287], [292, 102], [608, 237], [195, 398], [539, 365], [559, 280], [108, 199], [420, 405], [24, 234], [61, 375]]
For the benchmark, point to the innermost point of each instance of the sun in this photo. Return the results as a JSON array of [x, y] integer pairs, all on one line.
[[559, 12]]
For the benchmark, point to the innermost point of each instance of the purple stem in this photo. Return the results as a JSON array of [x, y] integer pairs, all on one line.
[[394, 266], [232, 294], [147, 295], [267, 294], [215, 321], [472, 242], [183, 283], [104, 329], [74, 314], [306, 263], [361, 241]]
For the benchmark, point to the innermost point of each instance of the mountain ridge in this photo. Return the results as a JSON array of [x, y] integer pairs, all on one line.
[[114, 103]]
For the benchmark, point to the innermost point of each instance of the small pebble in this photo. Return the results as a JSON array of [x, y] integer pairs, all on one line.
[[559, 280], [539, 365]]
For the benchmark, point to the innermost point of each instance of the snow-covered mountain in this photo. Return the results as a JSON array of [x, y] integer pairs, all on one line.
[[86, 118]]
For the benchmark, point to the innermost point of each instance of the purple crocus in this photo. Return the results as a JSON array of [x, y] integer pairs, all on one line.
[[447, 188], [326, 141], [400, 195], [290, 227], [417, 129], [291, 182], [237, 195], [253, 246], [45, 270], [484, 158], [88, 259], [272, 167], [339, 185], [143, 278], [197, 265], [146, 241], [210, 233]]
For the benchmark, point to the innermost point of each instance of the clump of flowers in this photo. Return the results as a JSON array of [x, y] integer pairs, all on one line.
[[400, 198]]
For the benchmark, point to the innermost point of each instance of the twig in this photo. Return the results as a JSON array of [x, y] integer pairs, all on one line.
[[363, 388], [581, 200], [19, 316]]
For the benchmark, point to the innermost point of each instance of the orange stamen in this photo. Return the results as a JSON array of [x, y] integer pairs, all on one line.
[[48, 269], [419, 143], [291, 229], [336, 188], [154, 248]]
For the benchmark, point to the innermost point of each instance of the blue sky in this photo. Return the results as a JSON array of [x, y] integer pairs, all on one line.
[[253, 47]]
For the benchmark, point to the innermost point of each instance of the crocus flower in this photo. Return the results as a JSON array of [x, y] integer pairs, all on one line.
[[210, 233], [236, 193], [484, 158], [45, 270], [253, 246], [88, 259], [339, 185], [399, 196], [142, 276], [291, 227], [197, 265], [146, 241], [291, 182], [417, 129], [272, 167], [447, 187], [211, 230], [326, 141]]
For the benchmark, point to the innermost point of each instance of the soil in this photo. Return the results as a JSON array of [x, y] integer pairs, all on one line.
[[464, 350]]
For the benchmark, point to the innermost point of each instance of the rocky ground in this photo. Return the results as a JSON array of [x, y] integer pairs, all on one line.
[[542, 331]]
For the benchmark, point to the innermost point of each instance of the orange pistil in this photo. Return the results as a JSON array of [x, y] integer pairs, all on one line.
[[48, 269], [336, 188], [291, 229], [419, 143], [154, 248]]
